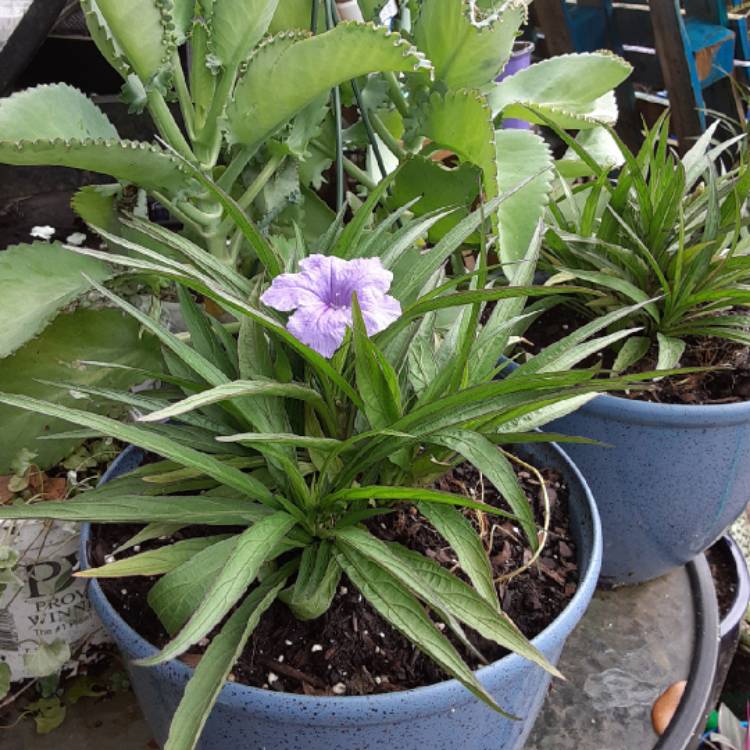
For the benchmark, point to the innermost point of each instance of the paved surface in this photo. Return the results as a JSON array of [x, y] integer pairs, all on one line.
[[632, 644]]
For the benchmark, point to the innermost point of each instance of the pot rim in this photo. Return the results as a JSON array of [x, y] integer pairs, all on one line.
[[685, 415], [742, 596], [606, 405], [434, 698]]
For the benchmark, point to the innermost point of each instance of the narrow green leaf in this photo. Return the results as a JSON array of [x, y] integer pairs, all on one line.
[[318, 577], [236, 389], [397, 605], [413, 494], [455, 528], [212, 671], [253, 548], [183, 455], [153, 562], [488, 460], [670, 351]]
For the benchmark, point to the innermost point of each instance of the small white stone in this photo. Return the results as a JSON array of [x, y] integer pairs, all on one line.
[[77, 239], [378, 680], [343, 591], [382, 635], [272, 678], [339, 688], [137, 548], [72, 477], [288, 643], [43, 233], [203, 642], [109, 558], [123, 591], [316, 647], [280, 659]]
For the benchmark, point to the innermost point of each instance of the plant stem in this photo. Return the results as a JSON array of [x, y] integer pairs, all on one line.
[[167, 125], [359, 174], [340, 188], [368, 127], [396, 94], [234, 170], [183, 94], [178, 213], [253, 191], [385, 135]]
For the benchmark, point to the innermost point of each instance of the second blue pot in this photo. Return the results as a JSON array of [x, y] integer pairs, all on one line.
[[674, 479], [439, 717]]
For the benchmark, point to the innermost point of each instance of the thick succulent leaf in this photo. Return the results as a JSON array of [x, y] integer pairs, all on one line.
[[455, 528], [396, 604], [144, 30], [293, 15], [467, 52], [129, 161], [253, 548], [36, 282], [461, 121], [575, 91], [215, 665], [183, 13], [487, 459], [519, 154], [435, 187], [103, 39], [600, 145], [237, 26], [289, 72], [53, 112], [153, 562], [57, 354]]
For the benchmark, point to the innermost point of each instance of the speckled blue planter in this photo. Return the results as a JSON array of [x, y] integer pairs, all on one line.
[[674, 480], [439, 717]]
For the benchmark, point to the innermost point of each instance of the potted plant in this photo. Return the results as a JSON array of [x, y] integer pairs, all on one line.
[[301, 442], [666, 237]]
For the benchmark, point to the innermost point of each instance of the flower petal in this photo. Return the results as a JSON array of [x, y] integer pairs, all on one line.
[[289, 291], [378, 311], [321, 327]]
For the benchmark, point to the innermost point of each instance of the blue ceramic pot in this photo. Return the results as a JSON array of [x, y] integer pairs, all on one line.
[[676, 477], [440, 717]]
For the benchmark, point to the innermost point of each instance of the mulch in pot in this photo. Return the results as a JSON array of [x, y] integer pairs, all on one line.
[[352, 650], [728, 382]]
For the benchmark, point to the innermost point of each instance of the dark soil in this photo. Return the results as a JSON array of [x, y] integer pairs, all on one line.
[[351, 649], [724, 575], [728, 382]]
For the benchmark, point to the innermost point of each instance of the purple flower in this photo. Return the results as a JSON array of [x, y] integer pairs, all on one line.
[[322, 293]]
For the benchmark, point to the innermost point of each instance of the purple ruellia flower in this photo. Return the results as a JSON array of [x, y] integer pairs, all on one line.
[[321, 293]]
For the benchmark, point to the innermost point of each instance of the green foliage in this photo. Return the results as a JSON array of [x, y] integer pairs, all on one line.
[[58, 354], [36, 282], [300, 451], [666, 241]]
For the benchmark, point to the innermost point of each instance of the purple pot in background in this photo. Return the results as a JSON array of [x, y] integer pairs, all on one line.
[[520, 58]]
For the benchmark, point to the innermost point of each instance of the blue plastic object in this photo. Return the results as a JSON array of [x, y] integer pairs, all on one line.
[[439, 717], [676, 477]]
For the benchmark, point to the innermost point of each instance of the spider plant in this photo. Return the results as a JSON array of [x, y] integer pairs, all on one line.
[[667, 233]]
